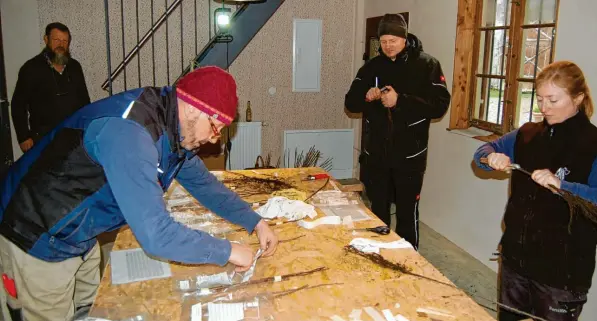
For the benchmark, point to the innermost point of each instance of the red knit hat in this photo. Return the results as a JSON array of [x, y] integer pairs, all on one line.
[[211, 90]]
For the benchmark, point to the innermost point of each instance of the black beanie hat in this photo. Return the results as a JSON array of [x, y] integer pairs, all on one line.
[[392, 24]]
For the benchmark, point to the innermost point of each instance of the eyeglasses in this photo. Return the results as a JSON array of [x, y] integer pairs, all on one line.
[[214, 128]]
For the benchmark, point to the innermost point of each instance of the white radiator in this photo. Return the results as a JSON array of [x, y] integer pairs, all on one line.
[[337, 144], [246, 145]]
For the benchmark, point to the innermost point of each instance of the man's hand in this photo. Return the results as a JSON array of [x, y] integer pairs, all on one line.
[[241, 256], [267, 238], [499, 161], [26, 145], [546, 178], [373, 94], [389, 98]]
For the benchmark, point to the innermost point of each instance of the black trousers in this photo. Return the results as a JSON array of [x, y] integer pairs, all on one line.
[[538, 299], [404, 189]]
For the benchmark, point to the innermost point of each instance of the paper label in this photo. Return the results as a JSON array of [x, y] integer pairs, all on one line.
[[196, 312], [225, 311]]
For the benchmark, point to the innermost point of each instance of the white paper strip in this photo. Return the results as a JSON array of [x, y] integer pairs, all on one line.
[[374, 314], [388, 314], [430, 312], [355, 314], [196, 312], [327, 220], [336, 318]]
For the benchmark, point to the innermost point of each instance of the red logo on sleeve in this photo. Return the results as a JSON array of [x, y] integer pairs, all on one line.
[[442, 78]]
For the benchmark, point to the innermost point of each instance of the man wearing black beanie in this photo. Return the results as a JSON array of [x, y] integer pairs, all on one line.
[[399, 93]]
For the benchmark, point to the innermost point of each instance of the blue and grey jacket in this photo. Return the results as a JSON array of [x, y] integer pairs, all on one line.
[[107, 165]]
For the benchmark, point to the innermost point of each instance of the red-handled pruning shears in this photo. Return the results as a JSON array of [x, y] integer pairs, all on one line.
[[316, 177]]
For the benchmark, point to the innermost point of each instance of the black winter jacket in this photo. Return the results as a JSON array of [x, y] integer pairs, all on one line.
[[422, 96]]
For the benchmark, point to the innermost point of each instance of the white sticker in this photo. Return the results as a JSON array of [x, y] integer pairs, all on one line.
[[397, 306], [185, 285], [277, 278], [196, 312], [204, 291], [254, 304]]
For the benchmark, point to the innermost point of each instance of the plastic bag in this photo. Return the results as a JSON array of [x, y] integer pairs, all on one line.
[[231, 307]]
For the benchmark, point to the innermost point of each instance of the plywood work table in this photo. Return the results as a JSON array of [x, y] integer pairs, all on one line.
[[362, 283]]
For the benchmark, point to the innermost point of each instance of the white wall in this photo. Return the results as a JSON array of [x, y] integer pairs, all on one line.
[[455, 202], [21, 36]]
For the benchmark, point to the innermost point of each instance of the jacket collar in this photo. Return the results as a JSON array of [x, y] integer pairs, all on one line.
[[570, 125], [170, 104]]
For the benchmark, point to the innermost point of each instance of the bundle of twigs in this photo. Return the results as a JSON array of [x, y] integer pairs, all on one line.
[[271, 279], [310, 159], [378, 259], [265, 163], [577, 205], [246, 186]]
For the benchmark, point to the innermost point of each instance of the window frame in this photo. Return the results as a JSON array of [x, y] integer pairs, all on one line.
[[469, 33]]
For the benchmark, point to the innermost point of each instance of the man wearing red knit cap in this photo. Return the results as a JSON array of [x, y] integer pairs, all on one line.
[[108, 165]]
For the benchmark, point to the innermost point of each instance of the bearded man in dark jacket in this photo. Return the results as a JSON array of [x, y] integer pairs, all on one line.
[[399, 93]]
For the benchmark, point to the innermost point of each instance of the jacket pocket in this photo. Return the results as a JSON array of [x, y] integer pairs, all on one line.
[[72, 226]]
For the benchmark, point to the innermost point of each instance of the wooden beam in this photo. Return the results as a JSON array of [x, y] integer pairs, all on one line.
[[469, 11], [513, 66]]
